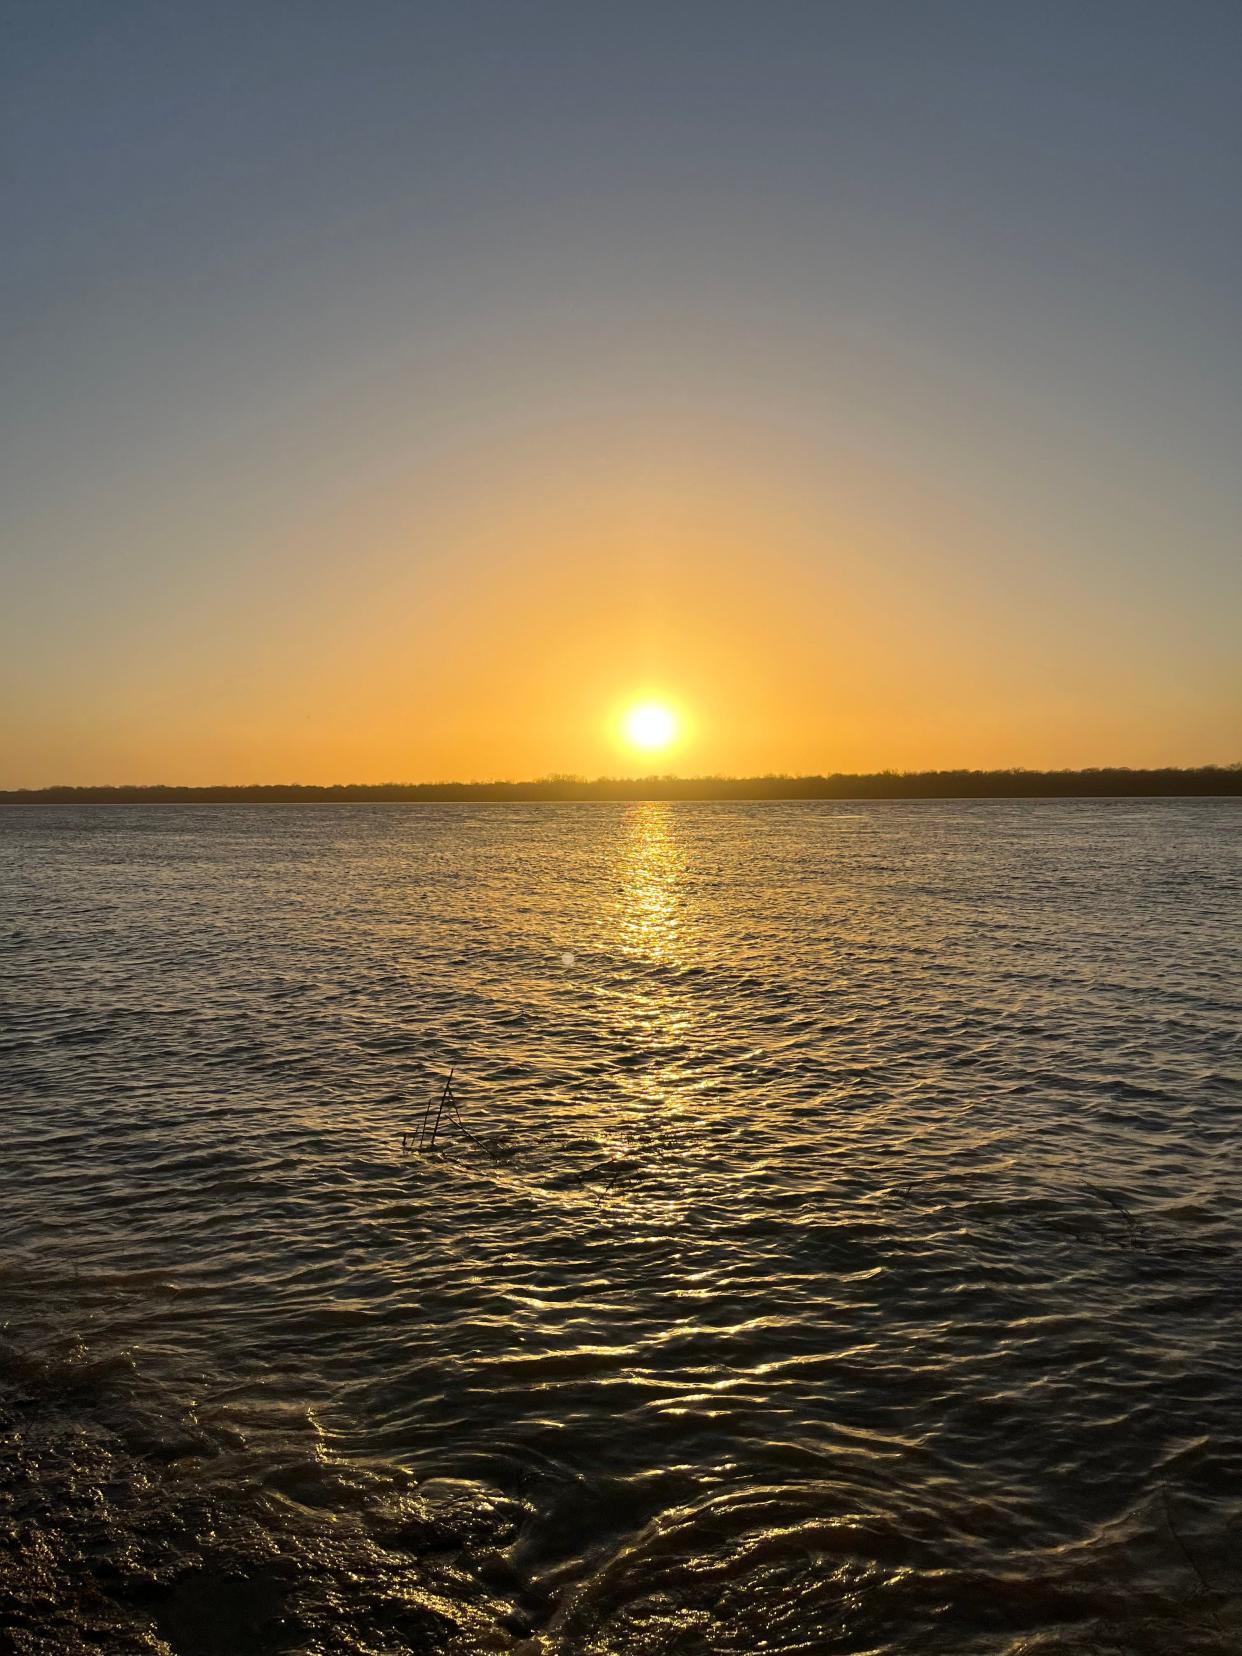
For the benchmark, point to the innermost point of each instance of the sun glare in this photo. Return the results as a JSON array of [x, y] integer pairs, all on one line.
[[650, 726]]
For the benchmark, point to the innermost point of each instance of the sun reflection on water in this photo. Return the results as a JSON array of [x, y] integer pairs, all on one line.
[[651, 874], [655, 1019]]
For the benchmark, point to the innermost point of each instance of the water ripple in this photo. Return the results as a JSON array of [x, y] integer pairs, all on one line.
[[839, 1251]]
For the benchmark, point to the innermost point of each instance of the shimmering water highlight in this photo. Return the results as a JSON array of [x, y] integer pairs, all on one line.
[[843, 1258]]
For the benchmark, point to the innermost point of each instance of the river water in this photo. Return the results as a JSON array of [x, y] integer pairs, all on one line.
[[835, 1246]]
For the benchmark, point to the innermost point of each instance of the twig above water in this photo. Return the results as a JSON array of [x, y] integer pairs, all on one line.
[[439, 1113], [429, 1127]]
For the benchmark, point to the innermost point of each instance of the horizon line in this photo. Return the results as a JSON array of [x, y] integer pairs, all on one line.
[[1013, 781]]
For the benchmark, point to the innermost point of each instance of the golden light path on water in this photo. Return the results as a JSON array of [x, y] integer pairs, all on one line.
[[835, 1250], [652, 867]]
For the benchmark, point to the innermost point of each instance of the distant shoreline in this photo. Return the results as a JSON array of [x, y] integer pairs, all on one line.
[[1218, 781]]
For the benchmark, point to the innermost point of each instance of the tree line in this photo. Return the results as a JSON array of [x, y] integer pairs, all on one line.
[[940, 784]]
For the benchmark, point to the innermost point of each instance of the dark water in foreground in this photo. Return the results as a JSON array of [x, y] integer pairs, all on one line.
[[846, 1258]]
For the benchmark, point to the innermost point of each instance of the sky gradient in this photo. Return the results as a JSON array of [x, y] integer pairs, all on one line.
[[399, 390]]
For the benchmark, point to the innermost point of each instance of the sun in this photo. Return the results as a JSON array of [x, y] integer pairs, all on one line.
[[650, 726]]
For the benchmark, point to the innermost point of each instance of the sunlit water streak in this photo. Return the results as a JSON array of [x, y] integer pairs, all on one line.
[[845, 1258]]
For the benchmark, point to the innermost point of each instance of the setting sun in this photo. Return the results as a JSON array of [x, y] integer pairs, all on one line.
[[619, 665], [650, 726]]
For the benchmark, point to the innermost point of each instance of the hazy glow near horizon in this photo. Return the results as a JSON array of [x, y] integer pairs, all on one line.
[[393, 391]]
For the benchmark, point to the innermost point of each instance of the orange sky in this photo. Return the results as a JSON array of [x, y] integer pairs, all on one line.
[[868, 396], [495, 619]]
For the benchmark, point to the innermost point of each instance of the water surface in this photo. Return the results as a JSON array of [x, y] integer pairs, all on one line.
[[838, 1253]]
